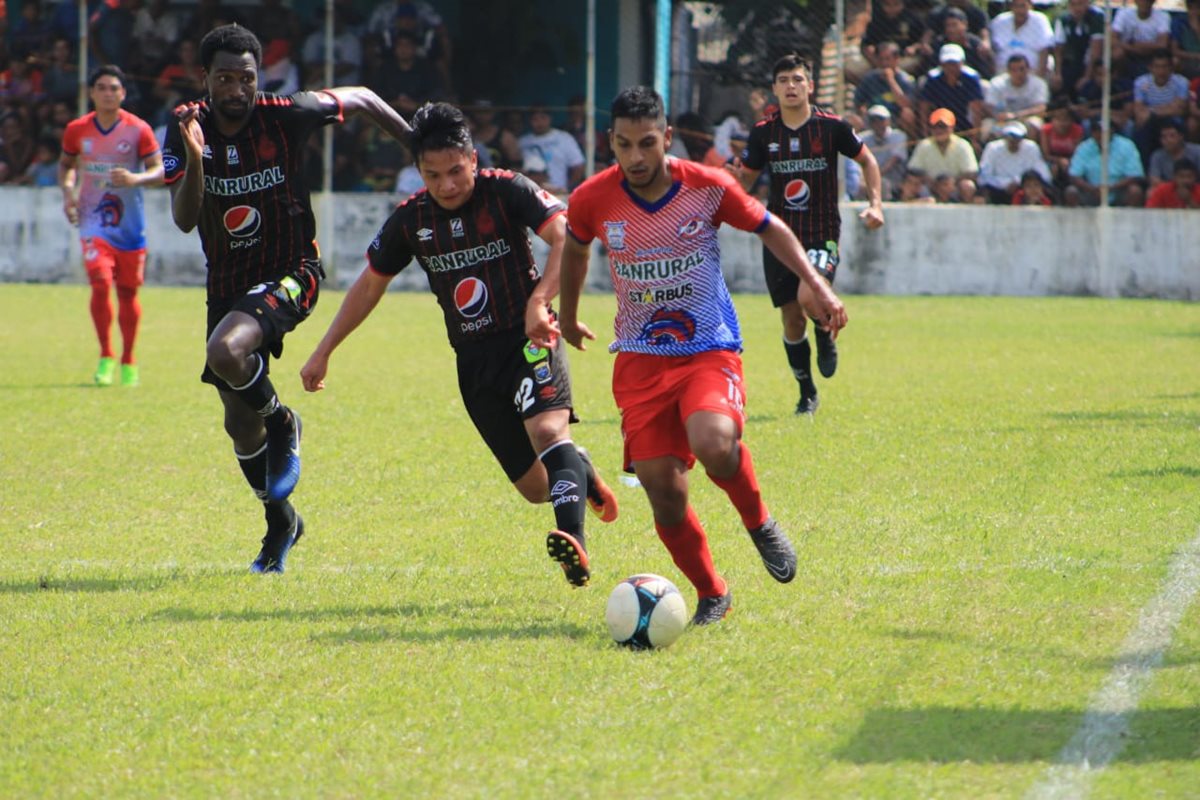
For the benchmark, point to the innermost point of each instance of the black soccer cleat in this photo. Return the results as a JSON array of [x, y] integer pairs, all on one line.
[[808, 405], [713, 609], [275, 547], [778, 555], [571, 556], [283, 458], [827, 353]]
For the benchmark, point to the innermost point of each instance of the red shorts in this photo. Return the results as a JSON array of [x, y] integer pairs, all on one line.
[[656, 395], [106, 264]]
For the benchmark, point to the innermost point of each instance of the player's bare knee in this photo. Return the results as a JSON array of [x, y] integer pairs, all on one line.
[[717, 451]]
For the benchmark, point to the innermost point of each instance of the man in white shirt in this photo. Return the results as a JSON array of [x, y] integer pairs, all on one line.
[[1137, 34], [890, 147], [557, 148], [1016, 94], [1022, 30], [1004, 162]]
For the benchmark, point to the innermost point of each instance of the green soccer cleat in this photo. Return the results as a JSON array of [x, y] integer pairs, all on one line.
[[129, 375], [105, 371]]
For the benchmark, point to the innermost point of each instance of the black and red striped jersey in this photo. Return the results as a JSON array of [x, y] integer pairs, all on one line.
[[802, 170], [478, 258], [256, 220]]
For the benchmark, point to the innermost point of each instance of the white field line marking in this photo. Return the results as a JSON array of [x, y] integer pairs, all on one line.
[[1102, 734]]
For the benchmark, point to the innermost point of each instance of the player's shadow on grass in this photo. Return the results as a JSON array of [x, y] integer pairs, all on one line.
[[176, 614], [90, 583], [462, 633], [12, 387], [1160, 472], [1135, 417], [940, 734]]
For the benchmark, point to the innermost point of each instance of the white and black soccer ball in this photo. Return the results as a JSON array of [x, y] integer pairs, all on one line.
[[646, 611]]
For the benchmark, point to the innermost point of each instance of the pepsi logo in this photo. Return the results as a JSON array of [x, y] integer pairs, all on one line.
[[796, 194], [242, 221], [471, 297]]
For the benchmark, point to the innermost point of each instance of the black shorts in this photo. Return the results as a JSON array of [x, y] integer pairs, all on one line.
[[504, 381], [279, 306], [783, 284]]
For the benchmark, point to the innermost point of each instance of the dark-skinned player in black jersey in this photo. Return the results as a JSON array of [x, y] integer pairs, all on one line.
[[468, 230], [800, 145], [233, 164]]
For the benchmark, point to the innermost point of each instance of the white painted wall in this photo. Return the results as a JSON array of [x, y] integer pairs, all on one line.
[[935, 250]]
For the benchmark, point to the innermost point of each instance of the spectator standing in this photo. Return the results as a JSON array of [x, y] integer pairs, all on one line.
[[889, 146], [889, 86], [955, 87], [1006, 160], [1078, 41], [945, 153], [1060, 136], [899, 24], [1137, 34], [1181, 192], [1022, 30], [1185, 41], [1125, 173], [1174, 147], [564, 160], [102, 195], [1017, 94], [1159, 95]]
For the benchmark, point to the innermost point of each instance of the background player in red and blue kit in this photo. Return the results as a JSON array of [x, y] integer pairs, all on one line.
[[102, 194], [800, 146], [234, 167], [467, 230], [678, 374]]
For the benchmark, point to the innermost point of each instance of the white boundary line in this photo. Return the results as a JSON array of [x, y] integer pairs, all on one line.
[[1101, 735]]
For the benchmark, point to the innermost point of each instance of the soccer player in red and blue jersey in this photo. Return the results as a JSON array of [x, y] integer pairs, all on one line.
[[101, 183], [677, 378], [800, 145], [467, 229], [234, 164]]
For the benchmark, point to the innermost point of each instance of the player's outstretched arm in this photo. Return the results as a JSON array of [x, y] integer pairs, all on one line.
[[360, 301], [574, 271], [361, 100], [821, 304], [540, 327], [187, 193]]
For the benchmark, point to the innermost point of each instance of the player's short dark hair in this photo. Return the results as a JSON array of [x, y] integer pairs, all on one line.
[[232, 38], [439, 126], [791, 61], [106, 69], [638, 102]]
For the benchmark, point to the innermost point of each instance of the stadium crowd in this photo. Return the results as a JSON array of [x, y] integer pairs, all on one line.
[[959, 105]]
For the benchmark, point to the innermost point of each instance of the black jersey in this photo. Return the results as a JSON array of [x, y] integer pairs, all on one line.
[[477, 257], [802, 167], [256, 221]]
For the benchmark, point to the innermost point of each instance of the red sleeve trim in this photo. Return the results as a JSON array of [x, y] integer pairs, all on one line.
[[549, 219]]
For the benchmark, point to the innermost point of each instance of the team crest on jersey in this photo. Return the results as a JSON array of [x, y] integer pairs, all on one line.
[[266, 148], [87, 147], [424, 235], [816, 147], [242, 221], [614, 234], [669, 326], [693, 226], [110, 210], [794, 144], [456, 228], [471, 297], [124, 147], [773, 147], [231, 154], [796, 194]]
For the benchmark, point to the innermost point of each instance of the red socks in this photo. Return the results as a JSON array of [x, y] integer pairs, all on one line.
[[743, 491], [688, 547], [102, 315], [129, 316]]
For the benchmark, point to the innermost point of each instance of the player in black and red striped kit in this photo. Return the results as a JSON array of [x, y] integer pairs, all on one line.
[[468, 230], [800, 145], [233, 164]]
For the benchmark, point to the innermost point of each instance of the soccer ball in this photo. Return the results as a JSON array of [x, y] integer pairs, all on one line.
[[646, 611]]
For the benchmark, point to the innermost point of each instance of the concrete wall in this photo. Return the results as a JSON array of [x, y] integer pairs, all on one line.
[[922, 249]]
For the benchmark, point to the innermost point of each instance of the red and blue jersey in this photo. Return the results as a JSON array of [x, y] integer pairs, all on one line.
[[114, 214], [664, 257]]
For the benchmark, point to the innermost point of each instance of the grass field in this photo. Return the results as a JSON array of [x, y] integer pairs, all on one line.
[[992, 493]]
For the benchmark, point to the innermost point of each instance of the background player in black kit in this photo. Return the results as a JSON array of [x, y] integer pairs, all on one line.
[[800, 145], [233, 165], [467, 230]]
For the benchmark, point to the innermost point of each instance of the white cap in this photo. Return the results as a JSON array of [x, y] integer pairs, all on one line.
[[951, 52], [880, 111], [1014, 127]]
